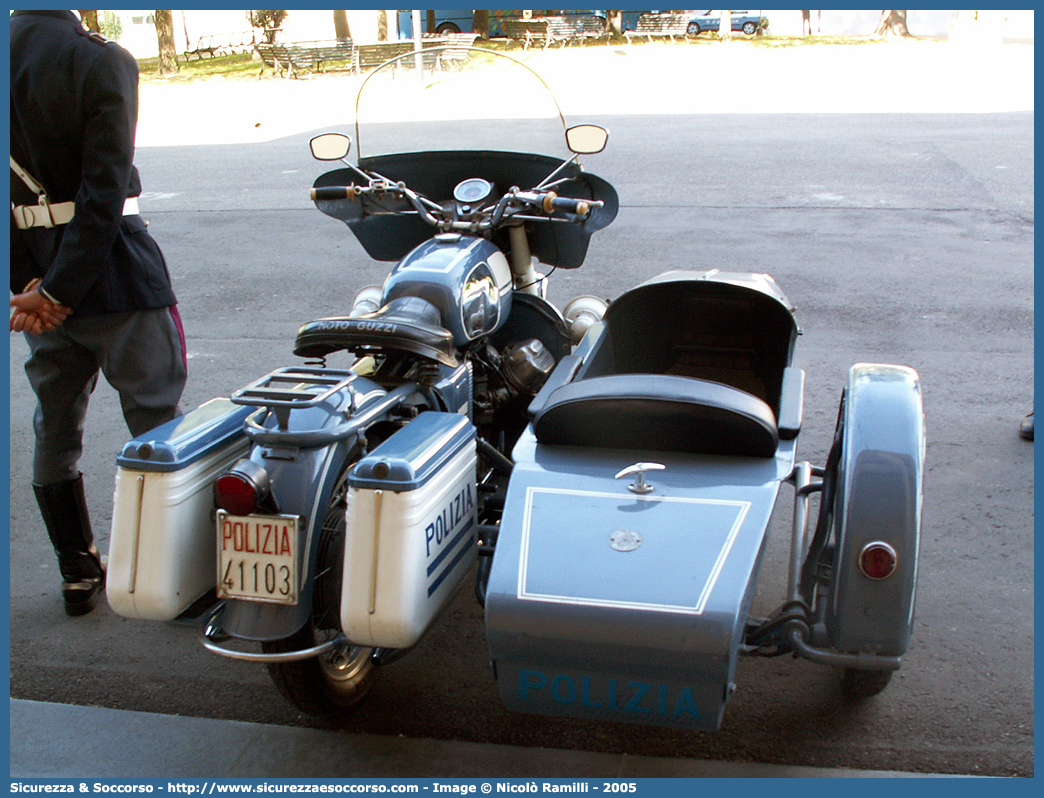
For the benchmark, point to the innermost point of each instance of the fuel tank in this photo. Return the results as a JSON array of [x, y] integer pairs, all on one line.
[[467, 279]]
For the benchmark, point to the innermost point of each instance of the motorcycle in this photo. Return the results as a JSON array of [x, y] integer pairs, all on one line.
[[328, 515]]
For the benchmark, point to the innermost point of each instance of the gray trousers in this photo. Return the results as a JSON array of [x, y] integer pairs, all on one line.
[[142, 355]]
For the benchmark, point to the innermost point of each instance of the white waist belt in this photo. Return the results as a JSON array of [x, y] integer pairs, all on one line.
[[28, 216]]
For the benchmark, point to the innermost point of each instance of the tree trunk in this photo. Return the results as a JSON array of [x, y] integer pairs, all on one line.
[[480, 24], [90, 20], [184, 24], [429, 21], [614, 22], [168, 59], [893, 23], [382, 26], [341, 29], [725, 26]]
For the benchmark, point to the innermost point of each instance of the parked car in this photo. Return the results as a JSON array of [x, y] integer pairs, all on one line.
[[742, 21]]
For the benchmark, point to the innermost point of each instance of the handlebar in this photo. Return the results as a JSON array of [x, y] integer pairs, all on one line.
[[552, 202], [333, 193], [547, 201]]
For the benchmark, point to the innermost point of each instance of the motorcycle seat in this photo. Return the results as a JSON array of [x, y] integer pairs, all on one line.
[[409, 323], [658, 412]]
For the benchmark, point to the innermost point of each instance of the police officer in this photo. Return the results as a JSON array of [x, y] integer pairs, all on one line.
[[91, 289]]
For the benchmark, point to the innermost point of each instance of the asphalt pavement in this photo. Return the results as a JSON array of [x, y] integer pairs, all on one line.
[[141, 745]]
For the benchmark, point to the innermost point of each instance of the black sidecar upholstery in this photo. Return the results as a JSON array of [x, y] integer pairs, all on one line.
[[737, 329], [659, 412], [688, 361]]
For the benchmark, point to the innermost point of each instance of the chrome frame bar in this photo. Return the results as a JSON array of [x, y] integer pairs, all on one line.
[[803, 488], [209, 629]]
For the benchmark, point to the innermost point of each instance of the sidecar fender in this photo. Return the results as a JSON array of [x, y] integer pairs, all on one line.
[[879, 498]]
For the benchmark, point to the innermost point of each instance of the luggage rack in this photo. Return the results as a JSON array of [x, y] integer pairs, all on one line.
[[307, 387]]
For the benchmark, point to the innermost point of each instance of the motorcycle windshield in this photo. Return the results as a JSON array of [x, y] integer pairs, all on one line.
[[470, 114], [462, 99]]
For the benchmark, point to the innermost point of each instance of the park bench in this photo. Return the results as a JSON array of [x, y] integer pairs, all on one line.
[[328, 51], [574, 29], [204, 46], [659, 25], [438, 51], [221, 43], [566, 29], [370, 56], [286, 60], [454, 48], [292, 59], [527, 31]]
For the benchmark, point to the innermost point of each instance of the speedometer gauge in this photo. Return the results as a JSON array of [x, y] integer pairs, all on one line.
[[472, 190]]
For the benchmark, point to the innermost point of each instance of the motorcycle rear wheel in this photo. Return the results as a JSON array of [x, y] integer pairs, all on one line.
[[323, 686], [326, 685]]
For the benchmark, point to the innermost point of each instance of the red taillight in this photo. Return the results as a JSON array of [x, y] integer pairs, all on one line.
[[235, 494], [241, 488], [877, 560]]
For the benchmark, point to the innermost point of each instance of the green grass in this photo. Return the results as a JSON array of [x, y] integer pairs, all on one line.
[[816, 41], [227, 66], [241, 65], [772, 42]]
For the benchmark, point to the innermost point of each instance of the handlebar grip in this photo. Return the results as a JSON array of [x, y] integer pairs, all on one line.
[[553, 202], [333, 193]]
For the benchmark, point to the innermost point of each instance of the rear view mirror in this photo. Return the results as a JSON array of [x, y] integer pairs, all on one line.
[[586, 139], [330, 146]]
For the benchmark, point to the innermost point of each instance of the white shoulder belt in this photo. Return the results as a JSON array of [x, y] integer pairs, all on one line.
[[46, 213]]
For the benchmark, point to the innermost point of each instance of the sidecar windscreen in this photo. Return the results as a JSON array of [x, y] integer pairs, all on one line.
[[388, 234]]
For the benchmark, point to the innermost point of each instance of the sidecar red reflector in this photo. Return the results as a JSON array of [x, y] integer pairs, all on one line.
[[877, 560], [235, 494]]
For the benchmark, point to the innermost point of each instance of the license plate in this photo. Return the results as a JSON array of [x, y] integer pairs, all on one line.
[[257, 557]]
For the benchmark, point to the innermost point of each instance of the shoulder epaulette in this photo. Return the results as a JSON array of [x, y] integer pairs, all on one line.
[[94, 36]]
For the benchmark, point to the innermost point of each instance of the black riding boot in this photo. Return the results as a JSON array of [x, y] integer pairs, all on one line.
[[64, 509]]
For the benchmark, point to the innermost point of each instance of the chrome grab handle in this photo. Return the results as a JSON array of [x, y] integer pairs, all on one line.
[[640, 486]]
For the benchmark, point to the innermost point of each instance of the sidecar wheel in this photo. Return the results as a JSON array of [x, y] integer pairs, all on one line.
[[857, 685], [325, 686]]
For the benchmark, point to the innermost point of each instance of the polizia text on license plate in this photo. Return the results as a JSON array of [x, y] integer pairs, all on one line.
[[257, 557]]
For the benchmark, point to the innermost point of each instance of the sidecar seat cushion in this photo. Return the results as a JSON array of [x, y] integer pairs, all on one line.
[[658, 412], [409, 323]]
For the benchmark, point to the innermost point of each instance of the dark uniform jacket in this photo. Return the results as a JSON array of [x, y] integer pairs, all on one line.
[[74, 110]]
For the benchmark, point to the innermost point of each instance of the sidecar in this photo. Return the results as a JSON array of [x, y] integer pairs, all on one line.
[[643, 489]]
